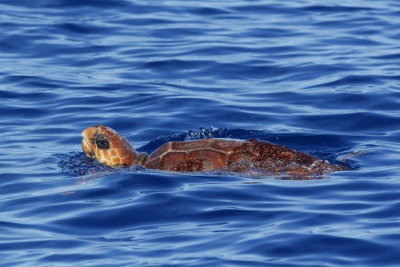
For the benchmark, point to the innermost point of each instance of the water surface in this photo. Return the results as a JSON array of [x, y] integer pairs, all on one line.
[[320, 77]]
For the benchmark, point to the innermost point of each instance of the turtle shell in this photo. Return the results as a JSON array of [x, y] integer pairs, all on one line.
[[193, 156], [214, 154]]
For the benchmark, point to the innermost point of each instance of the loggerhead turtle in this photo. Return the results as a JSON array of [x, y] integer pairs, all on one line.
[[110, 148]]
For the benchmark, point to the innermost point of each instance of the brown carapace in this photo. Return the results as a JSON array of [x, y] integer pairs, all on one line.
[[243, 156]]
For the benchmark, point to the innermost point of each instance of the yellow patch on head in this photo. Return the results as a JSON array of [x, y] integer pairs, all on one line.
[[107, 146]]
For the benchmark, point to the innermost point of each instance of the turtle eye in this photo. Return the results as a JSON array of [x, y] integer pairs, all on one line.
[[102, 142]]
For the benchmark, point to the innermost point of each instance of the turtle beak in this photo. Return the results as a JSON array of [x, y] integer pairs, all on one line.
[[86, 145], [87, 149]]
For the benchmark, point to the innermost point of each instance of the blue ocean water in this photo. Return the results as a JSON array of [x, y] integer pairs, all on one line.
[[322, 77]]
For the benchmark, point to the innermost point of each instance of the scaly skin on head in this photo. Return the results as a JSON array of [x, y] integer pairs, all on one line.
[[110, 148]]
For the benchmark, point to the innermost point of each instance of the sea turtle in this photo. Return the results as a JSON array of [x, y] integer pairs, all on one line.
[[107, 146]]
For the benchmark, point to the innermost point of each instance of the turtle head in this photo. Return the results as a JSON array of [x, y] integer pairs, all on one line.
[[107, 146]]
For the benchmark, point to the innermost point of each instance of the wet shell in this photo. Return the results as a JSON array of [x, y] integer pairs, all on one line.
[[213, 154]]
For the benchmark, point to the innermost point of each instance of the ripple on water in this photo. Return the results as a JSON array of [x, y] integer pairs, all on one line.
[[315, 77]]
